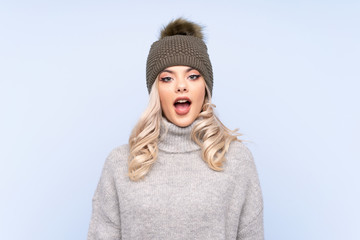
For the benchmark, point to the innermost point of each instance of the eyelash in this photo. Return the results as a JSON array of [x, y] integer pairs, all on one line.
[[194, 75], [167, 79]]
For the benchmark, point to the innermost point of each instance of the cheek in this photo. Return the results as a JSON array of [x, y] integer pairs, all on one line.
[[200, 96], [164, 96]]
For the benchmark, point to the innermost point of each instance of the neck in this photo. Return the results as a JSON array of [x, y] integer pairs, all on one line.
[[176, 139]]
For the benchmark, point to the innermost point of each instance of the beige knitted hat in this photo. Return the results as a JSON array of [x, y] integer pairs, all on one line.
[[181, 43]]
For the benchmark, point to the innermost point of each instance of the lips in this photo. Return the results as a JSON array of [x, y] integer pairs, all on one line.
[[182, 105]]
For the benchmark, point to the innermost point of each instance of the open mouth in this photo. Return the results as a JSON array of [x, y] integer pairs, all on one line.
[[182, 105]]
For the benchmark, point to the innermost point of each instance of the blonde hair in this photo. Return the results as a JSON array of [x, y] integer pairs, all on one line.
[[209, 133]]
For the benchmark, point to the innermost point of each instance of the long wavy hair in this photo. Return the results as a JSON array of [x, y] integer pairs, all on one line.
[[209, 133]]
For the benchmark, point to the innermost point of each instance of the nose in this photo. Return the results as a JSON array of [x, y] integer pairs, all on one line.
[[182, 86]]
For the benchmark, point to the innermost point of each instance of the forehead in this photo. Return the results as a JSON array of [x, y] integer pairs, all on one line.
[[181, 68]]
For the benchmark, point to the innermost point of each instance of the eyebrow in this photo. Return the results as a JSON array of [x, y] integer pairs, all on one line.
[[169, 71]]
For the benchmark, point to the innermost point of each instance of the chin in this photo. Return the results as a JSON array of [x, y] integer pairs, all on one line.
[[183, 121]]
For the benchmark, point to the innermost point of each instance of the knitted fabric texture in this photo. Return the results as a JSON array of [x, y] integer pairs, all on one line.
[[181, 197], [178, 50]]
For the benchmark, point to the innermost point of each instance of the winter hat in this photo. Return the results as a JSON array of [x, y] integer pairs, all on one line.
[[181, 43]]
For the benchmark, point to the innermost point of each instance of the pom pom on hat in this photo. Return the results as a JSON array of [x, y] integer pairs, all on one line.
[[182, 26]]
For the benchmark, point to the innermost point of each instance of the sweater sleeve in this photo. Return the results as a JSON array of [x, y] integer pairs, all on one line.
[[251, 218], [105, 218]]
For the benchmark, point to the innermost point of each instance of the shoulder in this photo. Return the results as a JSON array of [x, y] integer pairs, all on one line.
[[118, 156], [115, 164], [240, 152], [119, 152], [241, 160]]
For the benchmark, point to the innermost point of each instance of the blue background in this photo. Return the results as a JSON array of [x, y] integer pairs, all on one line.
[[72, 86]]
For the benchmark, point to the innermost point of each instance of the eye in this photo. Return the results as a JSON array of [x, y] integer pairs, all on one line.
[[165, 79], [194, 76]]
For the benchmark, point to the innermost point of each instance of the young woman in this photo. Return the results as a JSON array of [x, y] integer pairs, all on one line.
[[183, 174]]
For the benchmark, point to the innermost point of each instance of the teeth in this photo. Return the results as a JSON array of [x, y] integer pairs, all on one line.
[[182, 101]]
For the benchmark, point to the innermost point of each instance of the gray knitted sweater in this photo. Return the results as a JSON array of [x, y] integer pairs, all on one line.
[[181, 197]]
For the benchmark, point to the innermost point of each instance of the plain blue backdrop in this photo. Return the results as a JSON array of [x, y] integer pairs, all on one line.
[[72, 86]]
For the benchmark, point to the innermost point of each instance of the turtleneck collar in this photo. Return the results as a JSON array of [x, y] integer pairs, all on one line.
[[176, 139]]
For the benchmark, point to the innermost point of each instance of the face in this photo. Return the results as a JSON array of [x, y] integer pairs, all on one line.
[[182, 94]]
